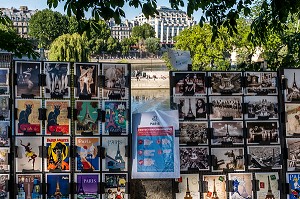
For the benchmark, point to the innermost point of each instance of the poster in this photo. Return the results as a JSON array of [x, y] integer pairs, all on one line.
[[155, 147]]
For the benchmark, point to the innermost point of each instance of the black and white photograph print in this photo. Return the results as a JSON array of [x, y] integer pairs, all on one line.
[[228, 158], [261, 83], [194, 158], [225, 132], [293, 159], [292, 92], [191, 108], [188, 83], [261, 107], [262, 132], [225, 83], [226, 106], [264, 157], [193, 133], [57, 79], [292, 112], [4, 81], [28, 78]]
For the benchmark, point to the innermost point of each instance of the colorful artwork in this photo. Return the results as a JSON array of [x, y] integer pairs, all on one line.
[[115, 185], [29, 186], [268, 185], [115, 117], [87, 185], [87, 115], [188, 186], [58, 186], [294, 185], [216, 187], [242, 185]]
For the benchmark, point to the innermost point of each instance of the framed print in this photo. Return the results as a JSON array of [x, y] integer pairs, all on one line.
[[193, 133], [292, 179], [58, 185], [4, 139], [29, 185], [194, 158], [4, 107], [225, 132], [87, 77], [87, 158], [28, 159], [188, 186], [264, 157], [4, 81], [226, 107], [293, 159], [57, 117], [261, 107], [261, 83], [225, 83], [216, 187], [87, 185], [115, 81], [4, 193], [28, 116], [242, 186], [191, 108], [268, 185], [57, 79], [115, 185], [87, 117], [292, 112], [228, 158], [188, 83], [28, 78], [292, 92], [262, 132], [4, 163]]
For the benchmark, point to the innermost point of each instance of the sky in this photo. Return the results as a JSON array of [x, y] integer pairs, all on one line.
[[130, 12]]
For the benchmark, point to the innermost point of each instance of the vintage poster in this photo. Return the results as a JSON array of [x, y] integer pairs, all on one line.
[[193, 133], [261, 83], [58, 186], [28, 159], [87, 185], [57, 153], [4, 81], [57, 79], [4, 107], [87, 158], [188, 186], [293, 159], [28, 78], [242, 186], [225, 83], [226, 107], [292, 92], [28, 116], [4, 140], [4, 189], [116, 121], [228, 158], [115, 81], [87, 117], [192, 158], [29, 186], [188, 83], [191, 108], [116, 184], [262, 132], [4, 164], [57, 117], [261, 107], [294, 185], [87, 76], [216, 187], [268, 185], [155, 147], [115, 150], [292, 112], [262, 157], [227, 132]]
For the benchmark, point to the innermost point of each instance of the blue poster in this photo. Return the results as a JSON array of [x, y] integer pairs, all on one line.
[[293, 179]]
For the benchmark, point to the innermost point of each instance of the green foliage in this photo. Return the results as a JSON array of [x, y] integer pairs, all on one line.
[[112, 45], [73, 25], [125, 45], [70, 48], [143, 32], [152, 45], [168, 63]]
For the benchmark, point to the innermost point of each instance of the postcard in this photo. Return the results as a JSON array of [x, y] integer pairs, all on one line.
[[194, 158], [193, 133]]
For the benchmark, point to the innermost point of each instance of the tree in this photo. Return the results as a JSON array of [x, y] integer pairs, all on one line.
[[126, 44], [152, 45], [143, 32], [47, 25], [112, 45], [71, 48], [98, 38], [73, 25]]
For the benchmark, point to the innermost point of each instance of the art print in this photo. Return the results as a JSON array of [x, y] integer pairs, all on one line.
[[226, 106], [87, 158], [227, 132], [293, 159], [264, 157], [292, 119], [4, 107], [294, 185], [115, 81], [115, 159], [194, 158], [225, 83], [228, 159], [57, 153], [4, 81], [262, 107], [216, 187], [29, 186], [28, 78], [28, 116], [87, 185], [191, 108], [28, 159], [115, 185], [292, 92], [193, 133], [4, 140], [87, 117], [268, 185], [188, 186], [115, 117], [4, 189], [262, 132], [4, 164], [57, 79], [188, 83], [58, 186], [57, 117], [261, 83], [87, 75], [242, 186]]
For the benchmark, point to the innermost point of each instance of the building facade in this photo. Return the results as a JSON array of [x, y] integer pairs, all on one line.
[[120, 31], [20, 18]]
